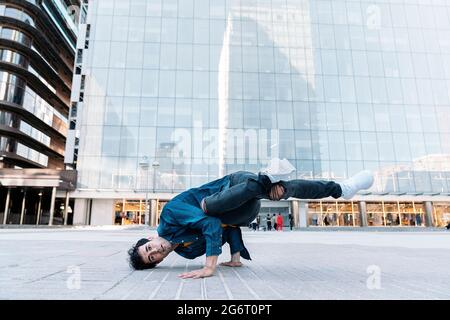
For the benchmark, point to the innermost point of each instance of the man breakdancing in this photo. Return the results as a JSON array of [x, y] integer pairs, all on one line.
[[201, 220]]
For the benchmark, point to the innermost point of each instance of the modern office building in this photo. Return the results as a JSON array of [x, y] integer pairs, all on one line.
[[171, 94], [37, 51]]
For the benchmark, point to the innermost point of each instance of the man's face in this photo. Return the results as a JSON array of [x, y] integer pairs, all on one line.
[[154, 251]]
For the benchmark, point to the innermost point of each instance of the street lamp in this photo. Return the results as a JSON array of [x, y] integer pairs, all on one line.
[[144, 164], [155, 166]]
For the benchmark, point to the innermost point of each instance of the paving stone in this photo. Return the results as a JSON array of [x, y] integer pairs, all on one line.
[[338, 264]]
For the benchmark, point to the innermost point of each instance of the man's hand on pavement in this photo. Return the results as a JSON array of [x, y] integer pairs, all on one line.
[[197, 274]]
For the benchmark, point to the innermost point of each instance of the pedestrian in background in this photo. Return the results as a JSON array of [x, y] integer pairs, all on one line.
[[279, 222], [291, 220], [269, 222], [274, 222], [254, 224]]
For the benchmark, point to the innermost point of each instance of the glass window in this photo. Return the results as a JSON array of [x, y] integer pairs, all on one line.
[[152, 29], [184, 84], [369, 146], [361, 67], [385, 146], [200, 84], [285, 115], [267, 86], [118, 55], [251, 114], [332, 90], [111, 140], [413, 118], [116, 82], [287, 140], [166, 112], [250, 59], [103, 27], [269, 114], [347, 88], [334, 116], [417, 145], [299, 87], [149, 111], [344, 62], [185, 31], [327, 37], [136, 31], [129, 141], [366, 117], [353, 145], [363, 90], [150, 83], [394, 90], [184, 57], [100, 57], [266, 59], [113, 111], [350, 117], [329, 62], [336, 147], [167, 84], [303, 148], [131, 111], [284, 86], [168, 56], [170, 8], [401, 144], [169, 30], [133, 82], [138, 8], [282, 60], [183, 113], [120, 28], [201, 57], [135, 55], [201, 31], [382, 119]]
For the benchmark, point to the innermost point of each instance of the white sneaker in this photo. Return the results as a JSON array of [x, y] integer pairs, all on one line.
[[278, 170], [360, 181]]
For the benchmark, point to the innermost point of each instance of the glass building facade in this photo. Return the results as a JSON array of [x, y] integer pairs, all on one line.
[[176, 93]]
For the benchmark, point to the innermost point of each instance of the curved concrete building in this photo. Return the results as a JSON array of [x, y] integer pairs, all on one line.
[[37, 50]]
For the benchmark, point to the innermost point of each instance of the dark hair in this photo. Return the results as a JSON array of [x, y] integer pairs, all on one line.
[[135, 259]]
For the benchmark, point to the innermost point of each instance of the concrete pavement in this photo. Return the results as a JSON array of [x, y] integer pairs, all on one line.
[[90, 263]]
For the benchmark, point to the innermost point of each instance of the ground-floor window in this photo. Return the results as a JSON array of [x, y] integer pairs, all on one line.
[[441, 214], [129, 212], [333, 214], [393, 214], [379, 214]]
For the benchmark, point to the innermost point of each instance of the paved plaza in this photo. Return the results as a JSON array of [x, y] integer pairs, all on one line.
[[90, 263]]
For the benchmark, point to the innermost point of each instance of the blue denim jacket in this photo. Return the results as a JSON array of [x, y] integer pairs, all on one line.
[[183, 221]]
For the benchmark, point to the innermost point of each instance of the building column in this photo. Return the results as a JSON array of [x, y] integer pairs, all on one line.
[[22, 210], [80, 212], [303, 214], [52, 206], [428, 213], [295, 212], [5, 216], [39, 208], [66, 208], [154, 209], [362, 213]]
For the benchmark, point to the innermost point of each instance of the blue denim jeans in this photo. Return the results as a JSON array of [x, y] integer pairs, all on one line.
[[240, 203]]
